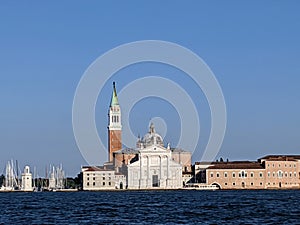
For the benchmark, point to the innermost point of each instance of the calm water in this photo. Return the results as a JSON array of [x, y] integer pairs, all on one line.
[[155, 207]]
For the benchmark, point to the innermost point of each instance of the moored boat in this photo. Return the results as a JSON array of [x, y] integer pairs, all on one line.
[[200, 186]]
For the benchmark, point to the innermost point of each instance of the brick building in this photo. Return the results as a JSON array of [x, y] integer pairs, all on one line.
[[269, 172]]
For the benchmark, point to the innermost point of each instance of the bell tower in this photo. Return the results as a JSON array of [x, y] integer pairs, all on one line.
[[114, 125]]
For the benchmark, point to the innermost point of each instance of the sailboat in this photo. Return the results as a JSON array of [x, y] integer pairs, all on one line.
[[11, 179], [56, 179]]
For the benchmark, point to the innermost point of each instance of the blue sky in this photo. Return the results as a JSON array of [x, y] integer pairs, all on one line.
[[45, 47]]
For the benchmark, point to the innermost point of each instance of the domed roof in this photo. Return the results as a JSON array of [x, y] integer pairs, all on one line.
[[151, 138]]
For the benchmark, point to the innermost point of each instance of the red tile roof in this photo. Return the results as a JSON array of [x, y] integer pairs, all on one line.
[[94, 168], [281, 157], [236, 165]]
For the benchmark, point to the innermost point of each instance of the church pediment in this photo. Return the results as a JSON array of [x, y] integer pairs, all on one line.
[[154, 148]]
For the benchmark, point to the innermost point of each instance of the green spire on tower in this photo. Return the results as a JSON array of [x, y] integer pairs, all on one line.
[[114, 97]]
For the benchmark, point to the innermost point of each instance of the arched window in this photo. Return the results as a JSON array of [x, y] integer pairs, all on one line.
[[242, 174]]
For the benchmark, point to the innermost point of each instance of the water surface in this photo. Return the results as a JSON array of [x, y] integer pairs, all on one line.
[[152, 207]]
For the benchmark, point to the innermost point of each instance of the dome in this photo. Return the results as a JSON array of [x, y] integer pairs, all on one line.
[[151, 138]]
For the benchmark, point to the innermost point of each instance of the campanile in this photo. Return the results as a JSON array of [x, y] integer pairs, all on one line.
[[114, 125]]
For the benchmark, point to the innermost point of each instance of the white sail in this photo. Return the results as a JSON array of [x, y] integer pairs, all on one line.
[[11, 180]]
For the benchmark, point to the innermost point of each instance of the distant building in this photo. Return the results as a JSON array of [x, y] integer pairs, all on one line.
[[270, 172], [154, 166], [281, 171], [236, 175], [26, 184], [159, 165], [151, 165], [114, 125], [100, 178]]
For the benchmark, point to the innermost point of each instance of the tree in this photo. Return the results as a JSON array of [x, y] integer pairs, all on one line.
[[2, 179]]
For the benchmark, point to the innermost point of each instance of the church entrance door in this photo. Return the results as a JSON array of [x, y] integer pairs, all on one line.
[[155, 182]]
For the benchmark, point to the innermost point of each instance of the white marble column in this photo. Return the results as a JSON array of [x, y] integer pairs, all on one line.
[[160, 171], [168, 171], [148, 172], [141, 170]]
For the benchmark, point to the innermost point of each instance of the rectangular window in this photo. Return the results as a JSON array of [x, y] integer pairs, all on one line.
[[109, 183], [103, 183], [233, 174], [94, 183], [260, 174], [211, 175], [225, 174]]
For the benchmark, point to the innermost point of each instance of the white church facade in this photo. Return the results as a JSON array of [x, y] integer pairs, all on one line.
[[154, 169]]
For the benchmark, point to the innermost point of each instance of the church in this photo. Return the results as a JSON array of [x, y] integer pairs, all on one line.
[[150, 165]]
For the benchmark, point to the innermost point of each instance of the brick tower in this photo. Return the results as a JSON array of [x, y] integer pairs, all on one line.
[[114, 125]]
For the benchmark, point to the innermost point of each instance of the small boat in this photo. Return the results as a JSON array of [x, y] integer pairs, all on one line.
[[200, 186]]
